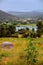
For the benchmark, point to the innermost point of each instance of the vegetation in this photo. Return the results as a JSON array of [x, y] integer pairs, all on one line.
[[39, 28], [9, 30], [33, 24], [27, 44], [19, 54], [32, 53]]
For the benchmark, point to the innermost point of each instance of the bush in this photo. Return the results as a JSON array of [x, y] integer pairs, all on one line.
[[31, 56]]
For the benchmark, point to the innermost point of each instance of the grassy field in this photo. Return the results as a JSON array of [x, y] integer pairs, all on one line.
[[11, 56], [26, 25]]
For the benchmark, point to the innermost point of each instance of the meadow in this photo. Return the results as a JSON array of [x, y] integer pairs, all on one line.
[[15, 55], [33, 24]]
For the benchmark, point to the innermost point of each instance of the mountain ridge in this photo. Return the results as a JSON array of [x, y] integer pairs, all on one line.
[[32, 14], [5, 15]]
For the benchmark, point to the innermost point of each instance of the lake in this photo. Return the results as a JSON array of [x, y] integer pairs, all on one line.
[[24, 27]]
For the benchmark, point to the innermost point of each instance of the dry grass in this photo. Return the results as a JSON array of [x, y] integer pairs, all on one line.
[[19, 46]]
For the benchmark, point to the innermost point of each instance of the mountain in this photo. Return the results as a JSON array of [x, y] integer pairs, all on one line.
[[33, 14], [7, 16]]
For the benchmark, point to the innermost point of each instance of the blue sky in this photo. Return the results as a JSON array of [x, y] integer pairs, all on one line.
[[21, 5]]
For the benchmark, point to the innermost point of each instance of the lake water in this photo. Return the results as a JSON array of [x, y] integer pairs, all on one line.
[[24, 27]]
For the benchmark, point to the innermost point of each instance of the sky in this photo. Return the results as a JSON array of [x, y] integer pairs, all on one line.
[[21, 5]]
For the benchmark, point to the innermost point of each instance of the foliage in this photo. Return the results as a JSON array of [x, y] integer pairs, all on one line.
[[31, 57], [19, 45], [39, 28], [6, 29]]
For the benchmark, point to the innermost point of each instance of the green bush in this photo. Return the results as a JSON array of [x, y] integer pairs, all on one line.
[[32, 53]]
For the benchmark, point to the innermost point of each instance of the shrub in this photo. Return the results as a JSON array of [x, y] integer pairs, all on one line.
[[31, 56]]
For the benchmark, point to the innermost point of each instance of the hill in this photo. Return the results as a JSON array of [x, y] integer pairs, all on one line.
[[6, 16], [33, 14]]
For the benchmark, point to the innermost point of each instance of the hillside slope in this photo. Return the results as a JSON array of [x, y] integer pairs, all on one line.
[[5, 16], [33, 14]]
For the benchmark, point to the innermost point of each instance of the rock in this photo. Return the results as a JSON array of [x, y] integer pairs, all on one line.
[[7, 45]]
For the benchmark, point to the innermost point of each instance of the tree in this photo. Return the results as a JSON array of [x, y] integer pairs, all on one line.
[[27, 28], [7, 29], [33, 30], [39, 28], [21, 31]]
